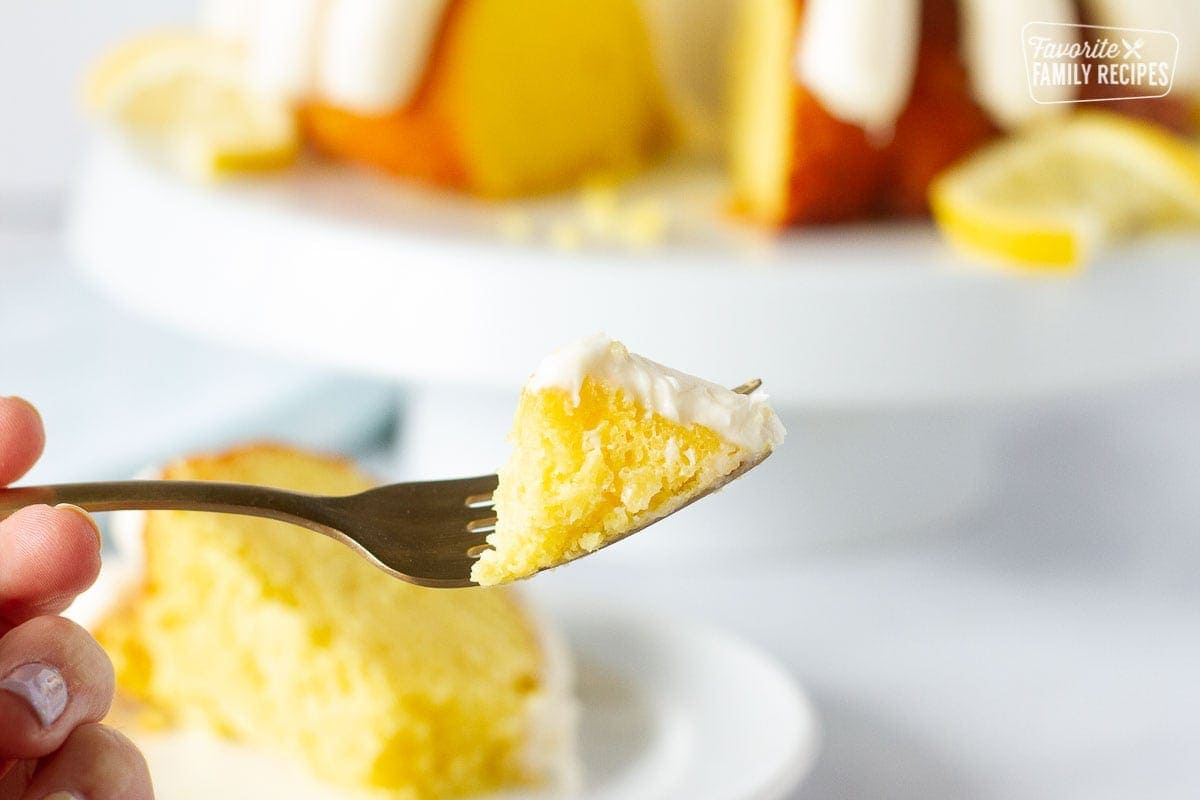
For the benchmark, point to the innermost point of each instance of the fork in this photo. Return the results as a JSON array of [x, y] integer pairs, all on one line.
[[427, 532]]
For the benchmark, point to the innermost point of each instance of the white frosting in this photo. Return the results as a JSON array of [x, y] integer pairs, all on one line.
[[363, 55], [858, 57], [745, 420], [281, 38], [995, 57], [692, 57], [370, 55], [230, 19], [1180, 17], [373, 52]]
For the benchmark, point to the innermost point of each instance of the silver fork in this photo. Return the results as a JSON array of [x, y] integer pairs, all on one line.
[[427, 532]]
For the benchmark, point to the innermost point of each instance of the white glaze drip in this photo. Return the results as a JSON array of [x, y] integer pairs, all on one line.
[[692, 57], [746, 421], [281, 42], [362, 55], [374, 52], [993, 52], [1180, 17], [858, 58]]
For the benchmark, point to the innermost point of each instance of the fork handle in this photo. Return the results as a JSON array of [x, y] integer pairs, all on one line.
[[222, 498]]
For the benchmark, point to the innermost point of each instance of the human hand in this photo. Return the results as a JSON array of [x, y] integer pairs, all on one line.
[[56, 683]]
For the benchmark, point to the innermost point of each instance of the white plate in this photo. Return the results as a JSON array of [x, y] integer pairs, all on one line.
[[328, 263], [668, 711], [673, 710]]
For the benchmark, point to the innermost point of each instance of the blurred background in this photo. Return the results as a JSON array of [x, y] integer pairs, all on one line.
[[1036, 636]]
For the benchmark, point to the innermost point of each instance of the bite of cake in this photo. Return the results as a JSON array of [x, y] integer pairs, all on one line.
[[604, 443], [291, 642]]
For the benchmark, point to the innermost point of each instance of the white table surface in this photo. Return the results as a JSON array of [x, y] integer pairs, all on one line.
[[1048, 647]]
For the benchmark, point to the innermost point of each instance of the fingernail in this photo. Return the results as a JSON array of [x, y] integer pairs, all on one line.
[[40, 685], [61, 796], [90, 520]]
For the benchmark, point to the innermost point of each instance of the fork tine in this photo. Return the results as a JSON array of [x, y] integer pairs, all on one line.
[[482, 525], [430, 532]]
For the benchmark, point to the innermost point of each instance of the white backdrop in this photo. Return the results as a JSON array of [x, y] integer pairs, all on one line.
[[44, 47]]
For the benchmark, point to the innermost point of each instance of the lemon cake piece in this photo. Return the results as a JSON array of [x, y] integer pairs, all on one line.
[[291, 642], [604, 442], [491, 97]]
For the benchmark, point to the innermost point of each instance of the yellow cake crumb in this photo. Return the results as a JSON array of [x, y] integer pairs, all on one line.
[[287, 640], [584, 472], [515, 226], [644, 223], [565, 235], [599, 201]]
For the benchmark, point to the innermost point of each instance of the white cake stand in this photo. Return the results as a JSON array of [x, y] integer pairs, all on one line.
[[887, 353]]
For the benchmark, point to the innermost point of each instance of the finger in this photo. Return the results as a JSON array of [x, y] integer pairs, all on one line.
[[96, 763], [53, 677], [21, 438], [47, 556], [15, 776]]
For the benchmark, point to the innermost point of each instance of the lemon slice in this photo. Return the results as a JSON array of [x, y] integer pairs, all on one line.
[[1053, 195], [186, 96]]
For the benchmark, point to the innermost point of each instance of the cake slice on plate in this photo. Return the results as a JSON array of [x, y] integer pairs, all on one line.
[[291, 642], [606, 442]]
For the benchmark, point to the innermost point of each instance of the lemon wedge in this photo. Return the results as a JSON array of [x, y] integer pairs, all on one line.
[[1051, 196], [186, 96]]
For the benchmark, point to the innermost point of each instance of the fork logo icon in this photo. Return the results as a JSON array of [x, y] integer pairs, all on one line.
[[1133, 50], [1073, 63]]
